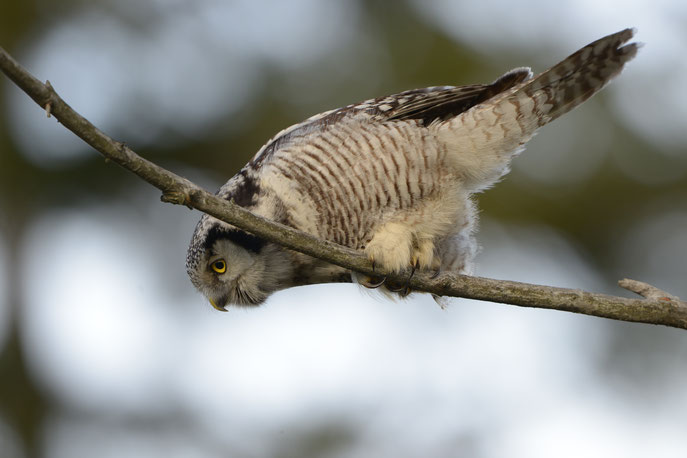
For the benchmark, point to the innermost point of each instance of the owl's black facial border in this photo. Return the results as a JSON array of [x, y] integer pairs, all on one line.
[[236, 236]]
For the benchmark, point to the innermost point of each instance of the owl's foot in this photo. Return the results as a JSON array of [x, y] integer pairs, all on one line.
[[390, 248], [423, 256], [404, 290], [396, 246]]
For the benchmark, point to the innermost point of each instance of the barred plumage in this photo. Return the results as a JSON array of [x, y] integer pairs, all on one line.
[[391, 176]]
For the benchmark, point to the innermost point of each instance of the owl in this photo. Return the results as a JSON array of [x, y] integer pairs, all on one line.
[[392, 177]]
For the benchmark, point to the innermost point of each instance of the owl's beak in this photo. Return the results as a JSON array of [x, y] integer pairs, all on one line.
[[218, 307]]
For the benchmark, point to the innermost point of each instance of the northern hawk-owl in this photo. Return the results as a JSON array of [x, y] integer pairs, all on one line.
[[392, 176]]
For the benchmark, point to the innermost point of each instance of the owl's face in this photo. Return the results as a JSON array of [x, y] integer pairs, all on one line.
[[230, 266]]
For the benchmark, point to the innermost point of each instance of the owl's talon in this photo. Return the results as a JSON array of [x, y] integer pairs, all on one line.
[[435, 274], [403, 291], [368, 283], [415, 263], [414, 267], [395, 290]]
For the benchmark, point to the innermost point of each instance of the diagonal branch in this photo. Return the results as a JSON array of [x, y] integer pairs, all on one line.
[[657, 307]]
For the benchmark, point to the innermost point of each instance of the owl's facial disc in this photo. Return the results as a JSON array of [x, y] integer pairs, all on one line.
[[230, 266]]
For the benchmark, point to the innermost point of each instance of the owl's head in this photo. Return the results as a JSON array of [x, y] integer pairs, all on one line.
[[231, 266]]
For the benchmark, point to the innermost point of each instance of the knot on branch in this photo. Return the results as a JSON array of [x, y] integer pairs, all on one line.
[[177, 198], [51, 92]]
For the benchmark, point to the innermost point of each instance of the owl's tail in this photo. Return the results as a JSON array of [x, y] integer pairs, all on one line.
[[578, 77], [484, 138]]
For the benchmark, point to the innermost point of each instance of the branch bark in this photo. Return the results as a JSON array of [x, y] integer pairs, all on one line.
[[656, 306]]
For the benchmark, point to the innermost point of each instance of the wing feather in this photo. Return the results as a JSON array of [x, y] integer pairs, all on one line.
[[423, 105]]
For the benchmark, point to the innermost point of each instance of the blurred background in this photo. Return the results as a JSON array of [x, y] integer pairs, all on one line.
[[107, 351]]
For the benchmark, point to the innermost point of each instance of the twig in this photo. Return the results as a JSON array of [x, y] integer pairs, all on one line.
[[657, 307], [646, 290]]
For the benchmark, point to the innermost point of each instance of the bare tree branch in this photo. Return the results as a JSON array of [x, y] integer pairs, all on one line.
[[656, 307]]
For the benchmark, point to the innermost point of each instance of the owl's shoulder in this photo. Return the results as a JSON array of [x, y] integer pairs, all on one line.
[[243, 188]]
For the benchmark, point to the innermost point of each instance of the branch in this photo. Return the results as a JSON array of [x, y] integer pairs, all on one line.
[[657, 307]]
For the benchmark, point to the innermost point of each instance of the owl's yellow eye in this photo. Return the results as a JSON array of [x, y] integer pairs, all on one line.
[[219, 266]]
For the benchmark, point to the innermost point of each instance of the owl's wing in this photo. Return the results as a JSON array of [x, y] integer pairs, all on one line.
[[424, 105], [444, 102]]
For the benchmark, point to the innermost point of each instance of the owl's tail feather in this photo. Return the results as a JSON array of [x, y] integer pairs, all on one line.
[[582, 74], [485, 138]]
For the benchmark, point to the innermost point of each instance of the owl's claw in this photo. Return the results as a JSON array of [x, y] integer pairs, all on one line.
[[405, 289], [435, 274], [372, 281], [415, 263], [369, 282]]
